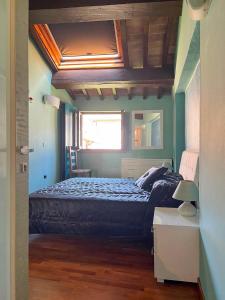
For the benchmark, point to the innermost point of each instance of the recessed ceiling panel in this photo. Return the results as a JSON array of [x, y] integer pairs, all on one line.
[[81, 45], [82, 39]]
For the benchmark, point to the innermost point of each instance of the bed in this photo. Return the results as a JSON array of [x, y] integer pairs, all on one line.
[[100, 206]]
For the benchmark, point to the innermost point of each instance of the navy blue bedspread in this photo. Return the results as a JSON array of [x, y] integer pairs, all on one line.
[[99, 206]]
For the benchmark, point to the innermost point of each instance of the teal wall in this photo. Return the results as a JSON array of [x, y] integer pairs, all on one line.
[[43, 124], [212, 152], [109, 163], [188, 53]]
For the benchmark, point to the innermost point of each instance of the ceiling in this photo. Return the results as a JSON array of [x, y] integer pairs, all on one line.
[[95, 54]]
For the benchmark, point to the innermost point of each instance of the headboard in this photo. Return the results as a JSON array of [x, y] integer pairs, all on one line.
[[189, 165]]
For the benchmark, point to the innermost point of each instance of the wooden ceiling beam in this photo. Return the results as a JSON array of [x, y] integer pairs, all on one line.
[[114, 91], [145, 93], [166, 41], [130, 95], [160, 92], [145, 44], [153, 86], [72, 95], [108, 78], [53, 12], [99, 91], [85, 93], [50, 4], [123, 29]]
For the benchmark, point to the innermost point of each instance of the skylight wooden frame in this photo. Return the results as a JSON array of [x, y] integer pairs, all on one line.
[[48, 46]]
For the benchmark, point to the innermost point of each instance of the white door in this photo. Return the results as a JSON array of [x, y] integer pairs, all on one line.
[[5, 238], [13, 183]]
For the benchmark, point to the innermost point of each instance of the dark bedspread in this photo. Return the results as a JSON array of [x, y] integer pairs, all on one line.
[[98, 206]]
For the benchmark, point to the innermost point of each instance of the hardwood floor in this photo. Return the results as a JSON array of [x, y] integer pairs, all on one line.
[[68, 268]]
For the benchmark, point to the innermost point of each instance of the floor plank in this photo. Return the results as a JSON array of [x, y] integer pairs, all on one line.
[[69, 268]]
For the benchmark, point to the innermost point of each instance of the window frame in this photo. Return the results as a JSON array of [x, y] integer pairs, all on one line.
[[79, 131]]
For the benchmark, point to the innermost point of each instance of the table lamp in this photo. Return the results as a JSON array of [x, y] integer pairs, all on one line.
[[186, 191]]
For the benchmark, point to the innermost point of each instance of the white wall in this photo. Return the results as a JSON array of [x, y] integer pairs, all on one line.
[[192, 111], [212, 152]]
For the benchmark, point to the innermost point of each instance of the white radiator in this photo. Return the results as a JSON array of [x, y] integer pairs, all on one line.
[[135, 167]]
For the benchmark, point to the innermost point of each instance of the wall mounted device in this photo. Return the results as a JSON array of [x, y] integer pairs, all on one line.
[[52, 100], [198, 9]]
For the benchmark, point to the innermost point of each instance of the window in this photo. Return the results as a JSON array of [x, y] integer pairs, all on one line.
[[101, 130]]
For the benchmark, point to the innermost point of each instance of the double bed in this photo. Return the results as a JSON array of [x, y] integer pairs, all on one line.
[[101, 206]]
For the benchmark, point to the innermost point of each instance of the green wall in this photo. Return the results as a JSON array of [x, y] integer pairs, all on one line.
[[43, 124], [188, 53], [109, 163], [212, 152]]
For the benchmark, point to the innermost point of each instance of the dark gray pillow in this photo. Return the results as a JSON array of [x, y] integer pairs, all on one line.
[[172, 176], [148, 178]]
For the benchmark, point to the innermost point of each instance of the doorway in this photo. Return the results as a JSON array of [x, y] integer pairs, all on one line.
[[13, 135]]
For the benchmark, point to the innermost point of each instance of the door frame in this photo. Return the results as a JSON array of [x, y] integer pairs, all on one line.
[[11, 99], [17, 136]]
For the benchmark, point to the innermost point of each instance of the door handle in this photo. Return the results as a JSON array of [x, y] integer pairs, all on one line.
[[24, 150]]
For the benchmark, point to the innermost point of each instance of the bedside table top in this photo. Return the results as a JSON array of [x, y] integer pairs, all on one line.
[[171, 217]]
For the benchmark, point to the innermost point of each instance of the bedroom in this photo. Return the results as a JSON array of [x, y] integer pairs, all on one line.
[[175, 98]]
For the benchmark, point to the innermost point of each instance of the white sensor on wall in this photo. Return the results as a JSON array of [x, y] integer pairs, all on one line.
[[52, 100], [198, 9]]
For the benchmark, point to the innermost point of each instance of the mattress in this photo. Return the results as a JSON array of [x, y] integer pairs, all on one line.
[[88, 206], [99, 207]]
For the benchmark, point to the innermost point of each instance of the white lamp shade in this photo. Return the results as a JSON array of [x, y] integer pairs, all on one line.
[[186, 191]]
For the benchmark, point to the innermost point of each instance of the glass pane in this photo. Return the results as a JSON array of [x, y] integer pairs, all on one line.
[[101, 131], [147, 129]]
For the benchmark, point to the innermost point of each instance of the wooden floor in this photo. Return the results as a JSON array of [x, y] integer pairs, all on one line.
[[65, 268]]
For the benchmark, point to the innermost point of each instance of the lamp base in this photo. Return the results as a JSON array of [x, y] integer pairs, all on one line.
[[186, 209]]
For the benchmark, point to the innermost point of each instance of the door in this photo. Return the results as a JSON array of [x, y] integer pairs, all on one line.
[[13, 134]]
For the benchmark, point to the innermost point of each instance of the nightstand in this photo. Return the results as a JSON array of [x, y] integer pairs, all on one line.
[[176, 246]]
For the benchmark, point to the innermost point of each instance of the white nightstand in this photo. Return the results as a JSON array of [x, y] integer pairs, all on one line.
[[176, 246]]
